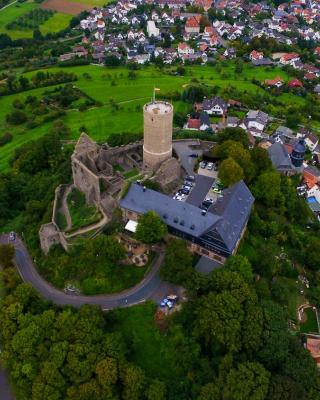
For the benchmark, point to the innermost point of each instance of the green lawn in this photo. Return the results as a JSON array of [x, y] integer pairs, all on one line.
[[106, 84], [61, 221], [152, 350], [93, 3], [56, 23], [131, 174], [81, 214], [310, 326], [13, 12]]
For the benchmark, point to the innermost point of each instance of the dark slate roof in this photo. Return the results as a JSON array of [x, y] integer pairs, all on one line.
[[204, 119], [210, 103], [262, 61], [234, 207], [279, 157], [198, 194], [169, 210], [228, 215]]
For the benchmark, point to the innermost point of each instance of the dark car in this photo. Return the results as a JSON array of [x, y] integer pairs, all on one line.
[[194, 155]]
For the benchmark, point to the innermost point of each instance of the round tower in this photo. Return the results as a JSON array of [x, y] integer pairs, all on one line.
[[298, 152], [157, 141]]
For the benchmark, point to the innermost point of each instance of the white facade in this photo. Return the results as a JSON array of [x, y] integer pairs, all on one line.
[[152, 29]]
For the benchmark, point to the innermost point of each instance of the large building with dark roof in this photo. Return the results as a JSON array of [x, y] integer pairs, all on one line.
[[215, 234]]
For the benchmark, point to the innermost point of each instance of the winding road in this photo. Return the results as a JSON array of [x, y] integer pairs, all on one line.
[[150, 287]]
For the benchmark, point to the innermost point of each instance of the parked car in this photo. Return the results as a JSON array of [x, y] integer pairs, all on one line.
[[194, 155], [210, 166], [190, 178], [12, 236], [203, 164]]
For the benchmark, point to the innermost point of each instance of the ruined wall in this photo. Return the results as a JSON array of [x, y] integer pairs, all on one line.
[[169, 174], [85, 181]]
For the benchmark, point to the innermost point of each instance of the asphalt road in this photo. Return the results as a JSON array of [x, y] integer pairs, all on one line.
[[137, 294], [5, 392]]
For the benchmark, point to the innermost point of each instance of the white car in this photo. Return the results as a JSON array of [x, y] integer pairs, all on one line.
[[12, 236], [210, 166]]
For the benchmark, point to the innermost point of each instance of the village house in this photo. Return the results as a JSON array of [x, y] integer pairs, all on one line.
[[256, 55], [255, 122], [311, 140], [184, 49], [289, 58], [192, 26], [276, 82], [152, 29], [215, 106]]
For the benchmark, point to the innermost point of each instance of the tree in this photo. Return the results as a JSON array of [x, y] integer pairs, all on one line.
[[107, 247], [133, 381], [260, 159], [284, 388], [267, 188], [107, 372], [17, 117], [249, 381], [218, 322], [235, 134], [150, 228], [210, 391], [156, 390], [230, 172], [7, 253], [177, 266], [112, 61], [275, 344], [241, 265]]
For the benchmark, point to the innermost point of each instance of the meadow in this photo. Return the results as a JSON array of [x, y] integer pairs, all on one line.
[[56, 23], [93, 3], [112, 86]]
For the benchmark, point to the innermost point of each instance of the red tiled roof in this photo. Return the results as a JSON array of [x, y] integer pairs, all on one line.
[[193, 123], [295, 83]]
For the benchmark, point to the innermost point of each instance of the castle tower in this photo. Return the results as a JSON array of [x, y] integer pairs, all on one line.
[[157, 145], [298, 152]]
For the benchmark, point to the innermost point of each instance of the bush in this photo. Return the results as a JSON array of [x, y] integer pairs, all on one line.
[[17, 117], [6, 138]]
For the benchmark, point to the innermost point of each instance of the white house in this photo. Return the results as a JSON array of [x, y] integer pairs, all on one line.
[[152, 29]]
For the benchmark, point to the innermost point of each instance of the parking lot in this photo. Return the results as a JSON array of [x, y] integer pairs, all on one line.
[[208, 169]]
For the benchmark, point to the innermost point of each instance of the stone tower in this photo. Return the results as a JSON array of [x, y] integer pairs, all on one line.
[[157, 145]]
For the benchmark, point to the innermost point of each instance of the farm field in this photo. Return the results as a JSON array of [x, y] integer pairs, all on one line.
[[112, 85], [56, 23], [93, 3], [65, 6]]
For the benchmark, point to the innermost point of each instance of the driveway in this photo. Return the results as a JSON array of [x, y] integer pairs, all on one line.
[[183, 150]]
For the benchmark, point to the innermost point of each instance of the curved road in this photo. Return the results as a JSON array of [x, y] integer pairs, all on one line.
[[137, 294]]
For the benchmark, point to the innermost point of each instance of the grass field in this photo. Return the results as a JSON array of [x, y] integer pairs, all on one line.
[[11, 13], [152, 350], [310, 326], [54, 24], [106, 84], [93, 3]]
